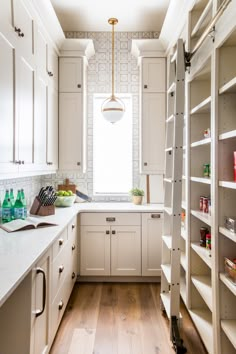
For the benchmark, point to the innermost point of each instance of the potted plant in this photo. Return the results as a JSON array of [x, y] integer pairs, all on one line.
[[137, 195]]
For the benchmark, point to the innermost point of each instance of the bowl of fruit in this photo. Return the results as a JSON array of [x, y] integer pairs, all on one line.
[[65, 198]]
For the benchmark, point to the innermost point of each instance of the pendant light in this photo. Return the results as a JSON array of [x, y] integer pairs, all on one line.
[[113, 108]]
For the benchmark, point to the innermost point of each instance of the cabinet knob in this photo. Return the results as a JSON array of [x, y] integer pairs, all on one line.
[[18, 162], [79, 85], [78, 163], [145, 163], [50, 73], [49, 163], [107, 232], [73, 226], [21, 34], [73, 275], [17, 29], [22, 162], [113, 232], [60, 305], [145, 86], [61, 268], [155, 216], [61, 241], [73, 247]]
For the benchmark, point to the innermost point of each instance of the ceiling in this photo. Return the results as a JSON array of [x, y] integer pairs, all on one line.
[[92, 15]]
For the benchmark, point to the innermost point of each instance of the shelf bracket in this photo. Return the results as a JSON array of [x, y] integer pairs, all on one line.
[[177, 341]]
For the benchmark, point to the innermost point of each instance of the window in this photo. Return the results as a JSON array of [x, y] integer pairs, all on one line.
[[112, 150]]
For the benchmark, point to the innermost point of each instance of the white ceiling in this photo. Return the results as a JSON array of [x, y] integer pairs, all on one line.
[[92, 15]]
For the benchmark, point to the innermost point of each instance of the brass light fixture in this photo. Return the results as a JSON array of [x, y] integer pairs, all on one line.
[[113, 108]]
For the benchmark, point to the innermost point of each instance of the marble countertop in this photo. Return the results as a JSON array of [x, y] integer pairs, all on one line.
[[20, 251]]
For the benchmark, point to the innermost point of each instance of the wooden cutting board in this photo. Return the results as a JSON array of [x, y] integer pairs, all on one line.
[[67, 186]]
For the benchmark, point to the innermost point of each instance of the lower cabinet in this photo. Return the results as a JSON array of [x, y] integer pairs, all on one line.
[[110, 244], [151, 243]]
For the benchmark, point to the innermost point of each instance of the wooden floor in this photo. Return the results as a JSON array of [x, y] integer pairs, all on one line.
[[119, 318]]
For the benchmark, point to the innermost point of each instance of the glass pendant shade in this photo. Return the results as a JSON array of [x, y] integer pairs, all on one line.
[[113, 108]]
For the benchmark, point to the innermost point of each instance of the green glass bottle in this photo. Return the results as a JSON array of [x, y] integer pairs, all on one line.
[[12, 202], [24, 202], [18, 207], [6, 208], [0, 212]]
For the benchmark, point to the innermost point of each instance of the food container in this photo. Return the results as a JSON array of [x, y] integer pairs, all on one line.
[[65, 201], [230, 269], [230, 223]]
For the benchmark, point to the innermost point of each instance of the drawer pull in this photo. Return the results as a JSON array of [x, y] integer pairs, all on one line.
[[107, 232], [111, 219], [73, 275], [61, 241], [113, 232], [60, 305], [73, 247], [61, 268], [73, 226], [155, 216]]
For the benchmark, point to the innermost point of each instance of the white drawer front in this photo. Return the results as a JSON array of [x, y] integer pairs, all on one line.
[[87, 219], [59, 244]]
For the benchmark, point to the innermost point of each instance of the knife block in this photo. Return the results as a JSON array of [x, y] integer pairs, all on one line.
[[42, 210]]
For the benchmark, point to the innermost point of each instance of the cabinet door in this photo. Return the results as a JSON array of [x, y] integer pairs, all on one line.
[[41, 54], [6, 17], [70, 131], [25, 115], [151, 243], [7, 106], [52, 128], [40, 124], [23, 26], [40, 306], [70, 78], [153, 133], [125, 250], [95, 250], [153, 75]]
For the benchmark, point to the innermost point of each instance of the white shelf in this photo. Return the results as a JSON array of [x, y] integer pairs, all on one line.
[[227, 184], [183, 291], [230, 285], [206, 218], [202, 107], [168, 210], [229, 327], [183, 260], [228, 135], [165, 297], [203, 321], [202, 19], [203, 285], [170, 118], [167, 239], [172, 87], [205, 141], [205, 180], [227, 233], [166, 268], [229, 87], [202, 252]]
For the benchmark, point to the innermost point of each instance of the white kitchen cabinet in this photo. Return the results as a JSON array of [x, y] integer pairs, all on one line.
[[71, 74], [52, 128], [110, 244], [40, 306], [152, 133], [6, 16], [151, 243], [70, 131], [153, 75]]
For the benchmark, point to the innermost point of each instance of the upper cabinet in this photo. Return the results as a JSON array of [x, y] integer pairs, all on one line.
[[153, 75], [71, 75]]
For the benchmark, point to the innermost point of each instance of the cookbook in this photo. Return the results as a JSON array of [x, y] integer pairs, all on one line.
[[27, 224]]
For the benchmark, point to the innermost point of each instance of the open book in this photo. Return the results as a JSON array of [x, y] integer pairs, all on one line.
[[28, 223]]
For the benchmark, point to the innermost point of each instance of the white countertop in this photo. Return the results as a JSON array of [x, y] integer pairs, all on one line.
[[20, 251]]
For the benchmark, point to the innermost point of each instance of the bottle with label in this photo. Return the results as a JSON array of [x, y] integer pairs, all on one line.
[[6, 208], [24, 202], [12, 202], [18, 207]]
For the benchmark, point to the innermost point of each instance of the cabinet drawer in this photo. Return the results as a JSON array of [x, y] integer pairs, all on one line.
[[59, 244], [88, 219], [59, 271], [72, 229]]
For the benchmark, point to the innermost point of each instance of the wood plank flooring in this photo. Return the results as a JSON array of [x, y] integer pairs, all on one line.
[[119, 318]]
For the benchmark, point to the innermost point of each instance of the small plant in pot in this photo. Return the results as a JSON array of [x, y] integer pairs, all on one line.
[[137, 195]]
